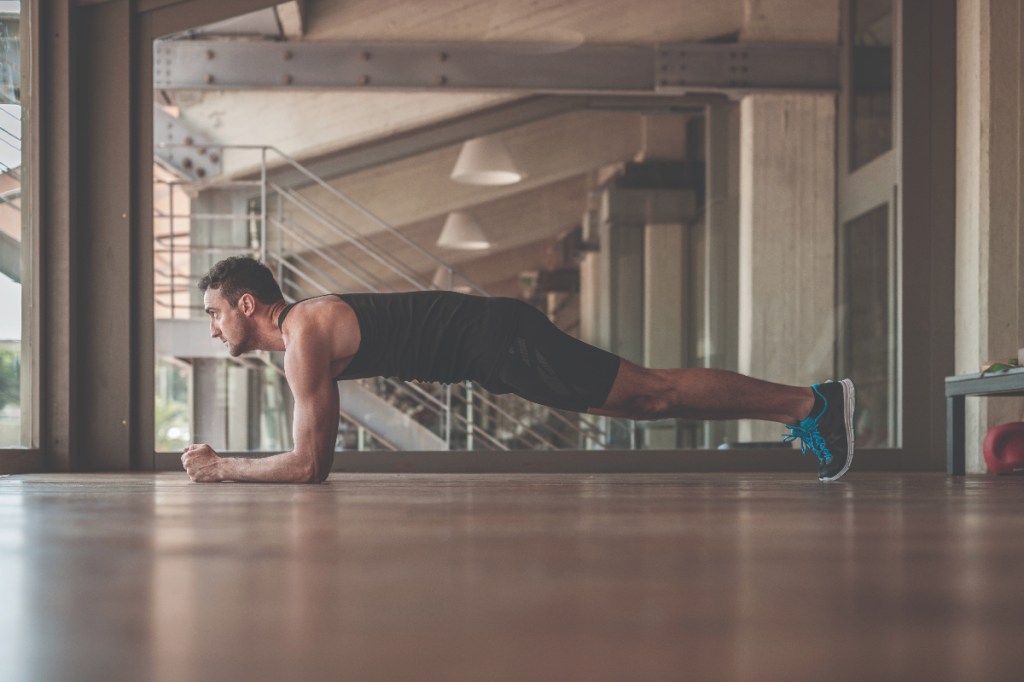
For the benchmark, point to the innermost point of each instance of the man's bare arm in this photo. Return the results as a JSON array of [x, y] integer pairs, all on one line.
[[307, 369]]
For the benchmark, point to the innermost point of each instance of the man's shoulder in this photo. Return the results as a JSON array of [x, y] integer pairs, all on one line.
[[324, 322], [319, 305], [314, 314]]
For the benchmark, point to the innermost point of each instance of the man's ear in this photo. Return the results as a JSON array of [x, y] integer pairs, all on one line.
[[247, 304]]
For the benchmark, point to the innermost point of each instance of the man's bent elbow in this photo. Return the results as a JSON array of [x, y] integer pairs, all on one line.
[[323, 469], [315, 470]]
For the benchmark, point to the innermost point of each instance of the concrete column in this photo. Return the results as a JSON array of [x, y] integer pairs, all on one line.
[[209, 403], [240, 401], [622, 273], [990, 184], [786, 242], [717, 347], [666, 333], [665, 310], [786, 287], [592, 330], [590, 286], [625, 214], [663, 137], [640, 295]]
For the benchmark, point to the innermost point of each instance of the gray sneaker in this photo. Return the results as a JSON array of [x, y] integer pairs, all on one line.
[[829, 434]]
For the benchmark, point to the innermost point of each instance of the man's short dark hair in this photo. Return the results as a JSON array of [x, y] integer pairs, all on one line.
[[239, 275]]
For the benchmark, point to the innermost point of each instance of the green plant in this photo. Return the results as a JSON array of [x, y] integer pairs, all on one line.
[[10, 378], [172, 427]]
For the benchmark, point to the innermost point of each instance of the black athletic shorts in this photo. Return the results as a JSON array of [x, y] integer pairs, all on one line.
[[547, 366]]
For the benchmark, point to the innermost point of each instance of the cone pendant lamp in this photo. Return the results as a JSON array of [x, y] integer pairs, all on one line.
[[486, 161], [461, 231]]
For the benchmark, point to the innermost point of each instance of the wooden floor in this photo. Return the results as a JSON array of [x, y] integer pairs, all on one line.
[[512, 577]]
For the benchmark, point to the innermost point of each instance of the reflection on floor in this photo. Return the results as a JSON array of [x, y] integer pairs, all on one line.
[[512, 577]]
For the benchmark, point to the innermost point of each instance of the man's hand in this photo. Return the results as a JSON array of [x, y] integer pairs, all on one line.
[[201, 463]]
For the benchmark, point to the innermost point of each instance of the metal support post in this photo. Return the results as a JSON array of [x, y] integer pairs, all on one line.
[[469, 415], [448, 416], [170, 200], [280, 243], [956, 448], [263, 205]]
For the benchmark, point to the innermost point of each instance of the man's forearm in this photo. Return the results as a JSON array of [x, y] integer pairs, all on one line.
[[288, 467]]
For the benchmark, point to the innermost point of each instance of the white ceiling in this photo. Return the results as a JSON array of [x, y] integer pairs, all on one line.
[[566, 21]]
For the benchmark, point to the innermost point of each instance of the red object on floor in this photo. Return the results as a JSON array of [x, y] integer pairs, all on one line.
[[1004, 448]]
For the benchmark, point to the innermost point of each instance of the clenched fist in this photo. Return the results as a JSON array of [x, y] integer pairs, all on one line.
[[201, 463]]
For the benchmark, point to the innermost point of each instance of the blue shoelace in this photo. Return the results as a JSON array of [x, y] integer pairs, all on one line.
[[810, 438]]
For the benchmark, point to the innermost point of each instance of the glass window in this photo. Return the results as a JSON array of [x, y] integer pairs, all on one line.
[[868, 347], [301, 205], [870, 81], [13, 335]]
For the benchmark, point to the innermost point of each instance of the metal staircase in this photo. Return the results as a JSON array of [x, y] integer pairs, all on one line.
[[315, 251]]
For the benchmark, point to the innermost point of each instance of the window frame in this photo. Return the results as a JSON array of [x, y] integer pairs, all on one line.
[[28, 457]]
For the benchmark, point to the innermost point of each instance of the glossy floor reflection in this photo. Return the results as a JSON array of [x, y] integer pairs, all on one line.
[[512, 577]]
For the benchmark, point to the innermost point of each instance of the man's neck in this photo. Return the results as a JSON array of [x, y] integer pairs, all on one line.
[[270, 337], [275, 311]]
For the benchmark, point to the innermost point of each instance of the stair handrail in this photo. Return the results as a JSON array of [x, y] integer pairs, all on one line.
[[335, 192], [588, 431], [511, 417], [301, 238], [356, 239]]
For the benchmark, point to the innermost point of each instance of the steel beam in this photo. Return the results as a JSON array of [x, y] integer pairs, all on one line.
[[671, 69], [194, 161], [738, 67]]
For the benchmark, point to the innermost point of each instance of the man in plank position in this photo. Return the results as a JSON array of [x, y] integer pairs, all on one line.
[[503, 344]]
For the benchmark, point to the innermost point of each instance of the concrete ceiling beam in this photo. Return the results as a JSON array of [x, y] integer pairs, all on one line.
[[548, 151]]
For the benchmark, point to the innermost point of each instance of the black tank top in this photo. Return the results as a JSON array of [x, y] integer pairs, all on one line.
[[440, 336]]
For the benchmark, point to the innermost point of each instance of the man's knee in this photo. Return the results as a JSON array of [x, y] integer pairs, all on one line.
[[649, 395], [652, 407]]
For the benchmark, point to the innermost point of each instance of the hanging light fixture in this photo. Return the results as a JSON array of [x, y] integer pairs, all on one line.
[[442, 280], [461, 231], [486, 161]]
